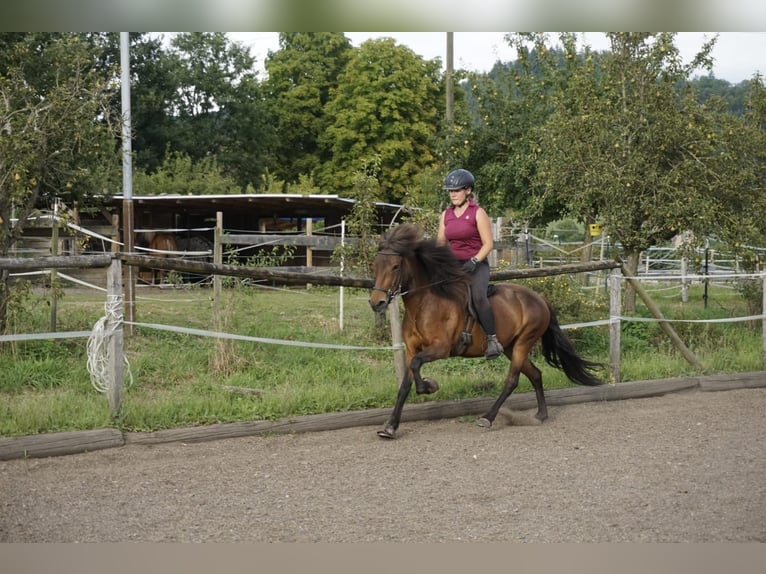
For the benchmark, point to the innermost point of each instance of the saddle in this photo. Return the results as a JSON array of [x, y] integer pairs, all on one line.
[[470, 320]]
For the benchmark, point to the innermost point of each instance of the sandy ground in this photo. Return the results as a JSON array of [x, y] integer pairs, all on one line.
[[685, 467]]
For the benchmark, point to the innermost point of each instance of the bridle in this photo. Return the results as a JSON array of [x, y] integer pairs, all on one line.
[[390, 293]]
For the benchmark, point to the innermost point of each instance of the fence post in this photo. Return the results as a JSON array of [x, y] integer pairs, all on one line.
[[664, 325], [763, 313], [54, 274], [396, 340], [684, 280], [497, 227], [615, 292], [218, 260], [114, 330]]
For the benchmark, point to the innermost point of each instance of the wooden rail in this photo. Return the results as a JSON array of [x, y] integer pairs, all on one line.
[[287, 277]]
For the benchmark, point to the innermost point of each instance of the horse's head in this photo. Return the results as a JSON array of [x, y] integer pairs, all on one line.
[[387, 267], [389, 263]]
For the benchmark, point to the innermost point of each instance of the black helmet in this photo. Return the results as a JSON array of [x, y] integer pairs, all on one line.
[[458, 179]]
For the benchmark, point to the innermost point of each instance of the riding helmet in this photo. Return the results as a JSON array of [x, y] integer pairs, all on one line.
[[458, 179]]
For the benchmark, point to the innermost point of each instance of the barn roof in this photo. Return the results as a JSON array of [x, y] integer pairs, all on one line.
[[274, 205]]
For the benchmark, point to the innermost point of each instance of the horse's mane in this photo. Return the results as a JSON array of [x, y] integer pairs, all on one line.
[[427, 264]]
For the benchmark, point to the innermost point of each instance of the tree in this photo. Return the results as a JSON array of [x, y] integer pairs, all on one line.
[[201, 97], [153, 87], [301, 75], [707, 87], [179, 175], [57, 130], [507, 106], [387, 104], [630, 146]]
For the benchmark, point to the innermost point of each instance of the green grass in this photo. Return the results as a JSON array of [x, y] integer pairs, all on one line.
[[183, 380]]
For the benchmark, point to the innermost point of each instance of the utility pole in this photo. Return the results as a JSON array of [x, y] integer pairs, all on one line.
[[127, 181], [449, 77]]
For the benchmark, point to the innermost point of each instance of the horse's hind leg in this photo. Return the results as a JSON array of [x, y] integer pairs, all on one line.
[[511, 382], [536, 378], [519, 364]]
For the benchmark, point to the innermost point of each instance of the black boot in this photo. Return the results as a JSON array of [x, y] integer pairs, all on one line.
[[494, 348]]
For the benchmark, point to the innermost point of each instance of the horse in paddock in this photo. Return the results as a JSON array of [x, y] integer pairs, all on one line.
[[438, 322], [160, 245]]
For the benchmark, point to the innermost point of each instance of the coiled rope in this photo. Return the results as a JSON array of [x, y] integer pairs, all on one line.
[[99, 349]]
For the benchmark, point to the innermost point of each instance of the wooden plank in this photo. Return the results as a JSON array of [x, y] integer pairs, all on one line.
[[57, 444], [433, 410], [752, 380], [59, 262], [621, 391], [205, 268], [552, 270]]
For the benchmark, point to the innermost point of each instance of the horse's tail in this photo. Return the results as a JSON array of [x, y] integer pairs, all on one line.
[[559, 353]]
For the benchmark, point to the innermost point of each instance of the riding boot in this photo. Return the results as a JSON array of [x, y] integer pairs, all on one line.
[[494, 348]]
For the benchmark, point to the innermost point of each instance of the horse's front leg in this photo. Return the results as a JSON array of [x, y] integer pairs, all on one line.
[[423, 385], [389, 428]]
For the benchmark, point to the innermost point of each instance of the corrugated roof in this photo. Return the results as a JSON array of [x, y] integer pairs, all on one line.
[[276, 204]]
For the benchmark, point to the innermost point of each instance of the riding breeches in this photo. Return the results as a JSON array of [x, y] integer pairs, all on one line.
[[479, 286]]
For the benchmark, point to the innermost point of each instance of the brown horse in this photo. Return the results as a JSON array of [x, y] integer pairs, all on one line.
[[160, 245], [438, 323]]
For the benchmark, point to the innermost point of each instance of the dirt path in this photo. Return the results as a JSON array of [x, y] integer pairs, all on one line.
[[685, 467]]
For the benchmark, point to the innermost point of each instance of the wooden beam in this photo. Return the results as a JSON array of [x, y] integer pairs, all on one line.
[[205, 268], [552, 270], [60, 262]]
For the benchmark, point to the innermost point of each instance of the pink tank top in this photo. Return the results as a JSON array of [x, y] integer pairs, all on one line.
[[462, 232]]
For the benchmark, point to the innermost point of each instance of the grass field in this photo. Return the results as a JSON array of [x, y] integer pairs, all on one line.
[[182, 379]]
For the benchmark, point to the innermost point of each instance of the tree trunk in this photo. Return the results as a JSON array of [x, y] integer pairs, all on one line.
[[631, 264]]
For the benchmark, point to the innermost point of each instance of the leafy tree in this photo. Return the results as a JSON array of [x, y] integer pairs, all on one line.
[[301, 75], [179, 175], [362, 222], [57, 130], [387, 104], [212, 105], [154, 85], [630, 146], [508, 106], [707, 87]]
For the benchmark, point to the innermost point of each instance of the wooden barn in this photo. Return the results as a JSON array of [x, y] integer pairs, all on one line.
[[253, 222]]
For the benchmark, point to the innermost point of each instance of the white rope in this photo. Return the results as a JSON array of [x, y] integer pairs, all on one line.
[[98, 346]]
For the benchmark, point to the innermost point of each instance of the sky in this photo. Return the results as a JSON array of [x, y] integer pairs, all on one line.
[[738, 55]]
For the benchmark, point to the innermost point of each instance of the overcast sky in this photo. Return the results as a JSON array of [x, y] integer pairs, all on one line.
[[737, 55]]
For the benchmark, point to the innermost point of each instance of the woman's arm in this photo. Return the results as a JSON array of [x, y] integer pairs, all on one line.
[[485, 232]]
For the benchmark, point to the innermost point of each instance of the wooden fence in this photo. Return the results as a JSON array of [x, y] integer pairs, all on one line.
[[116, 289]]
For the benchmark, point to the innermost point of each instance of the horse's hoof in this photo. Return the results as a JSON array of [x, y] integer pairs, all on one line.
[[429, 387], [387, 432], [484, 423]]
